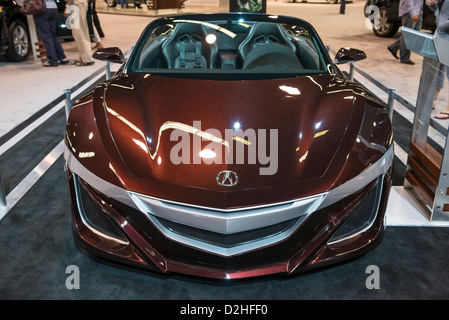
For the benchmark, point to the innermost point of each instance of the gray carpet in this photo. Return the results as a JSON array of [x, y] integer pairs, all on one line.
[[37, 246]]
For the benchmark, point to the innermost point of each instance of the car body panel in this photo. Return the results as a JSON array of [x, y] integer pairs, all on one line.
[[132, 203]]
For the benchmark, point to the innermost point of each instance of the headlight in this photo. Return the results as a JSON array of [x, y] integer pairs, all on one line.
[[93, 215], [363, 215]]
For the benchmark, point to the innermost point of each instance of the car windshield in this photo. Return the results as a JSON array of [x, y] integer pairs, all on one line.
[[234, 46]]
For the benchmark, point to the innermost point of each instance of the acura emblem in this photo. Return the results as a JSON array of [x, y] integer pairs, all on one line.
[[227, 178]]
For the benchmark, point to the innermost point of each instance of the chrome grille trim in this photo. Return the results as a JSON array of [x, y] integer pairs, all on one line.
[[223, 251], [230, 221]]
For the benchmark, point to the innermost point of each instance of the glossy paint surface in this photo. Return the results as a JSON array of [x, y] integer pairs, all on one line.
[[127, 132], [315, 135]]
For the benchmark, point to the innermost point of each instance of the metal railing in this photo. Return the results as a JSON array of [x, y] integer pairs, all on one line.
[[391, 92], [68, 91], [2, 194], [67, 98], [392, 96]]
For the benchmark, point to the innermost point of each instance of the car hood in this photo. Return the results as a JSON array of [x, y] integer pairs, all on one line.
[[159, 124]]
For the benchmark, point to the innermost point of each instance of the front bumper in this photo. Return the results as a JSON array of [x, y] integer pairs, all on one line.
[[328, 229]]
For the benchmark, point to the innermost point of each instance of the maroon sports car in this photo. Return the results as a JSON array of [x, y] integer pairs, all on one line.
[[229, 146]]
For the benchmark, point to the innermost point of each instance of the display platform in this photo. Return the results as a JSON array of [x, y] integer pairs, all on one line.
[[35, 235]]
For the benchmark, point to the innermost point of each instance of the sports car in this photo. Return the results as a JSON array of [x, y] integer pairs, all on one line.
[[229, 146]]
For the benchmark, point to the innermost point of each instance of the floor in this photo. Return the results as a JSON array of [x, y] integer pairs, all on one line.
[[34, 203]]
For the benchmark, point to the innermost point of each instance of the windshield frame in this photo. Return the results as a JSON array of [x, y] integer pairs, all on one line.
[[216, 74]]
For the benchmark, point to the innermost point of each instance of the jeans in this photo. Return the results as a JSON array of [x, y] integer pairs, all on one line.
[[342, 6], [407, 21], [123, 3], [46, 28]]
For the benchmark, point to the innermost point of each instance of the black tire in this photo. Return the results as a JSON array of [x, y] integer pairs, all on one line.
[[367, 4], [111, 3], [385, 30], [332, 1], [19, 42]]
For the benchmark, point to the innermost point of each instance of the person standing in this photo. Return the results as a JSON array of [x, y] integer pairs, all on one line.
[[46, 28], [94, 25], [441, 9], [80, 31], [342, 6], [123, 3], [410, 12], [92, 11], [97, 39]]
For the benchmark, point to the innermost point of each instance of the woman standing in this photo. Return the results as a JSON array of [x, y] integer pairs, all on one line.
[[80, 32], [46, 28]]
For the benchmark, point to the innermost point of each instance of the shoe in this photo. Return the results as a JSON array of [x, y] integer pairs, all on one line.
[[48, 64], [82, 63], [442, 116], [65, 61], [410, 62], [394, 53], [98, 46]]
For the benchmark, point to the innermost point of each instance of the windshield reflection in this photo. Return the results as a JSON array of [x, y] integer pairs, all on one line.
[[233, 46]]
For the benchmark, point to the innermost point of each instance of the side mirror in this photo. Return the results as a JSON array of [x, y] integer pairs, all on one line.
[[349, 54], [112, 54]]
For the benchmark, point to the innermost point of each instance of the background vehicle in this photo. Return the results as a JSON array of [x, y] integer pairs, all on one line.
[[15, 41], [14, 36], [389, 19]]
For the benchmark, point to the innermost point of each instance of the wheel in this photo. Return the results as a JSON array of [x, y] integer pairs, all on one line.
[[367, 4], [332, 1], [385, 30], [111, 3], [19, 42]]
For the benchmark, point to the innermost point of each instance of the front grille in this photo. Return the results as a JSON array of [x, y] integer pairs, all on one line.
[[227, 232], [228, 240]]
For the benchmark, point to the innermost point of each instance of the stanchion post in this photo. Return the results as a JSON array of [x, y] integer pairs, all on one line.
[[391, 92], [108, 70], [351, 71], [68, 102], [2, 194]]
